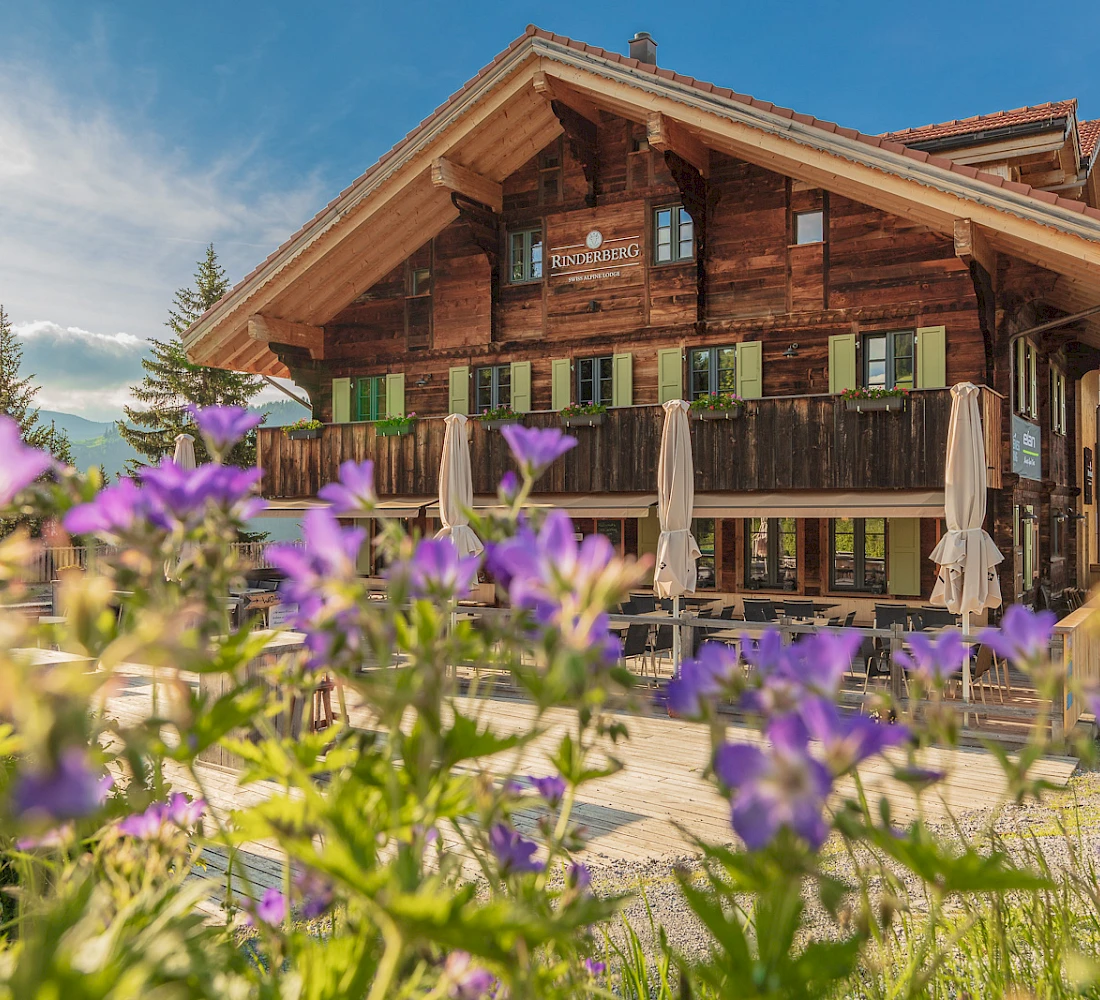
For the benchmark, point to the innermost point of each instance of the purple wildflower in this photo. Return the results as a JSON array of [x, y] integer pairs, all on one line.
[[781, 788], [594, 967], [551, 788], [578, 877], [69, 790], [317, 893], [933, 661], [113, 512], [22, 465], [328, 553], [354, 492], [271, 909], [508, 489], [701, 678], [849, 739], [436, 570], [468, 981], [58, 836], [173, 494], [1024, 635], [185, 812], [145, 825], [535, 448], [514, 853], [223, 426]]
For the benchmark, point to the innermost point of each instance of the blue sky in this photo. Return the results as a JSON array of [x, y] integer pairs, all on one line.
[[131, 134]]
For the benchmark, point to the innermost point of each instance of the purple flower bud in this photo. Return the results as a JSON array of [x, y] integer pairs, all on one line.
[[145, 825], [354, 493], [508, 489], [933, 661], [578, 877], [1024, 635], [21, 465], [535, 448], [271, 909], [436, 570], [223, 426], [551, 788], [185, 812], [468, 981], [317, 893], [68, 789], [514, 853], [594, 967]]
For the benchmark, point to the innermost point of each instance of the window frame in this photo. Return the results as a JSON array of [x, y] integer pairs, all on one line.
[[1057, 401], [376, 398], [675, 222], [597, 379], [859, 583], [415, 291], [891, 359], [532, 236], [708, 556], [494, 387], [714, 370], [775, 533], [820, 212], [1025, 378]]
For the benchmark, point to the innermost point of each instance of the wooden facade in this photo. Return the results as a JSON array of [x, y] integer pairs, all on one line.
[[583, 152]]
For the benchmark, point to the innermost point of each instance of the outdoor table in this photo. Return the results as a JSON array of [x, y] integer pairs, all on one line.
[[44, 657]]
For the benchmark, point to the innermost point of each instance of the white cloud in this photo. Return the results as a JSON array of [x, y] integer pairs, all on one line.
[[101, 220]]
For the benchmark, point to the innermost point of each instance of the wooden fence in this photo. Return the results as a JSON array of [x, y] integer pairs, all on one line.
[[1078, 636], [47, 563]]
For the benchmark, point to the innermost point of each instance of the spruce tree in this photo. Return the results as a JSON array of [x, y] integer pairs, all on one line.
[[173, 383]]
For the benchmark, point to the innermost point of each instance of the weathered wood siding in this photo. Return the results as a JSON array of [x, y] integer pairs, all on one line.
[[824, 446]]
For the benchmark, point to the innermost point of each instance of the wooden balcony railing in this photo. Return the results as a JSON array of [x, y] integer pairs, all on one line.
[[779, 443]]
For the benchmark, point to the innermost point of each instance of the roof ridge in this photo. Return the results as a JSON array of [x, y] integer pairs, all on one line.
[[1069, 101]]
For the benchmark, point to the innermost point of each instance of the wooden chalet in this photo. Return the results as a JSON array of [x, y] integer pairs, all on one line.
[[576, 225]]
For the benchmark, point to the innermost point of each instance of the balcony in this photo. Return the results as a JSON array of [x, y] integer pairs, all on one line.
[[779, 443]]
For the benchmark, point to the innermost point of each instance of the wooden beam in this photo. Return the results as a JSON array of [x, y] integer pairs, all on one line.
[[669, 137], [555, 90], [455, 177], [268, 329], [971, 244]]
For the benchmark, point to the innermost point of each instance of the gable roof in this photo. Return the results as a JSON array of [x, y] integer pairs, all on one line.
[[477, 125], [1089, 133], [1036, 114]]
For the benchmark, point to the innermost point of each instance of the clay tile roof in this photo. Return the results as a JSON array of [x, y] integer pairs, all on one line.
[[1089, 133], [979, 123]]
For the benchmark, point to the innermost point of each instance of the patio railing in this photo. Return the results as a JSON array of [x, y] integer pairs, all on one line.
[[48, 562]]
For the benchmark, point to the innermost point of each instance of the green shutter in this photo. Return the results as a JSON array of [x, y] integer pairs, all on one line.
[[750, 370], [1033, 399], [932, 357], [560, 384], [458, 396], [521, 386], [670, 375], [904, 557], [622, 380], [842, 362], [395, 395], [341, 400]]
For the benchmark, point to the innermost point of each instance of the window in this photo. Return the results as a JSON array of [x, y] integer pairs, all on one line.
[[859, 554], [594, 380], [674, 235], [1026, 530], [612, 530], [1027, 379], [702, 528], [420, 281], [809, 227], [1057, 401], [713, 369], [370, 398], [525, 253], [1057, 521], [550, 174], [888, 360], [771, 557], [492, 388]]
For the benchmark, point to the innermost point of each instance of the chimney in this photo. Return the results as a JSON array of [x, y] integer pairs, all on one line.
[[643, 48]]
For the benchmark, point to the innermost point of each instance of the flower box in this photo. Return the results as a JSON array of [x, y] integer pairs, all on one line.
[[584, 420], [495, 425], [390, 432], [891, 404], [731, 414], [304, 434]]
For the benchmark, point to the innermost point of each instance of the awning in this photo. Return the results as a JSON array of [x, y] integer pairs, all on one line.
[[385, 507], [598, 505], [826, 503]]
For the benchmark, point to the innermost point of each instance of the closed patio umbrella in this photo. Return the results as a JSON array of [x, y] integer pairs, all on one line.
[[966, 581], [677, 549], [184, 455], [456, 488]]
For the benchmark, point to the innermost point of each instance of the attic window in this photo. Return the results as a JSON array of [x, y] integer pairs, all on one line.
[[809, 227], [420, 281], [550, 161]]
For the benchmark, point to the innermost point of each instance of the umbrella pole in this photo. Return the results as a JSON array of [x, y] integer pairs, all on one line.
[[966, 658], [676, 636]]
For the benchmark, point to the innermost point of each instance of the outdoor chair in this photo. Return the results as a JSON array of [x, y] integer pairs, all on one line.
[[636, 643], [889, 615], [799, 609], [727, 612], [759, 610], [628, 608], [876, 664], [927, 618], [661, 643], [985, 664], [643, 604]]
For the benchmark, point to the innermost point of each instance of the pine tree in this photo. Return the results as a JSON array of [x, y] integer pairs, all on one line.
[[173, 383]]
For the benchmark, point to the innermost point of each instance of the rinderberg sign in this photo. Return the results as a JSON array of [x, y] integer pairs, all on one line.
[[1026, 448], [597, 258]]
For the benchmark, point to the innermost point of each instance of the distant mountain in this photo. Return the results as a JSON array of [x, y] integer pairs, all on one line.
[[78, 428], [100, 443]]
